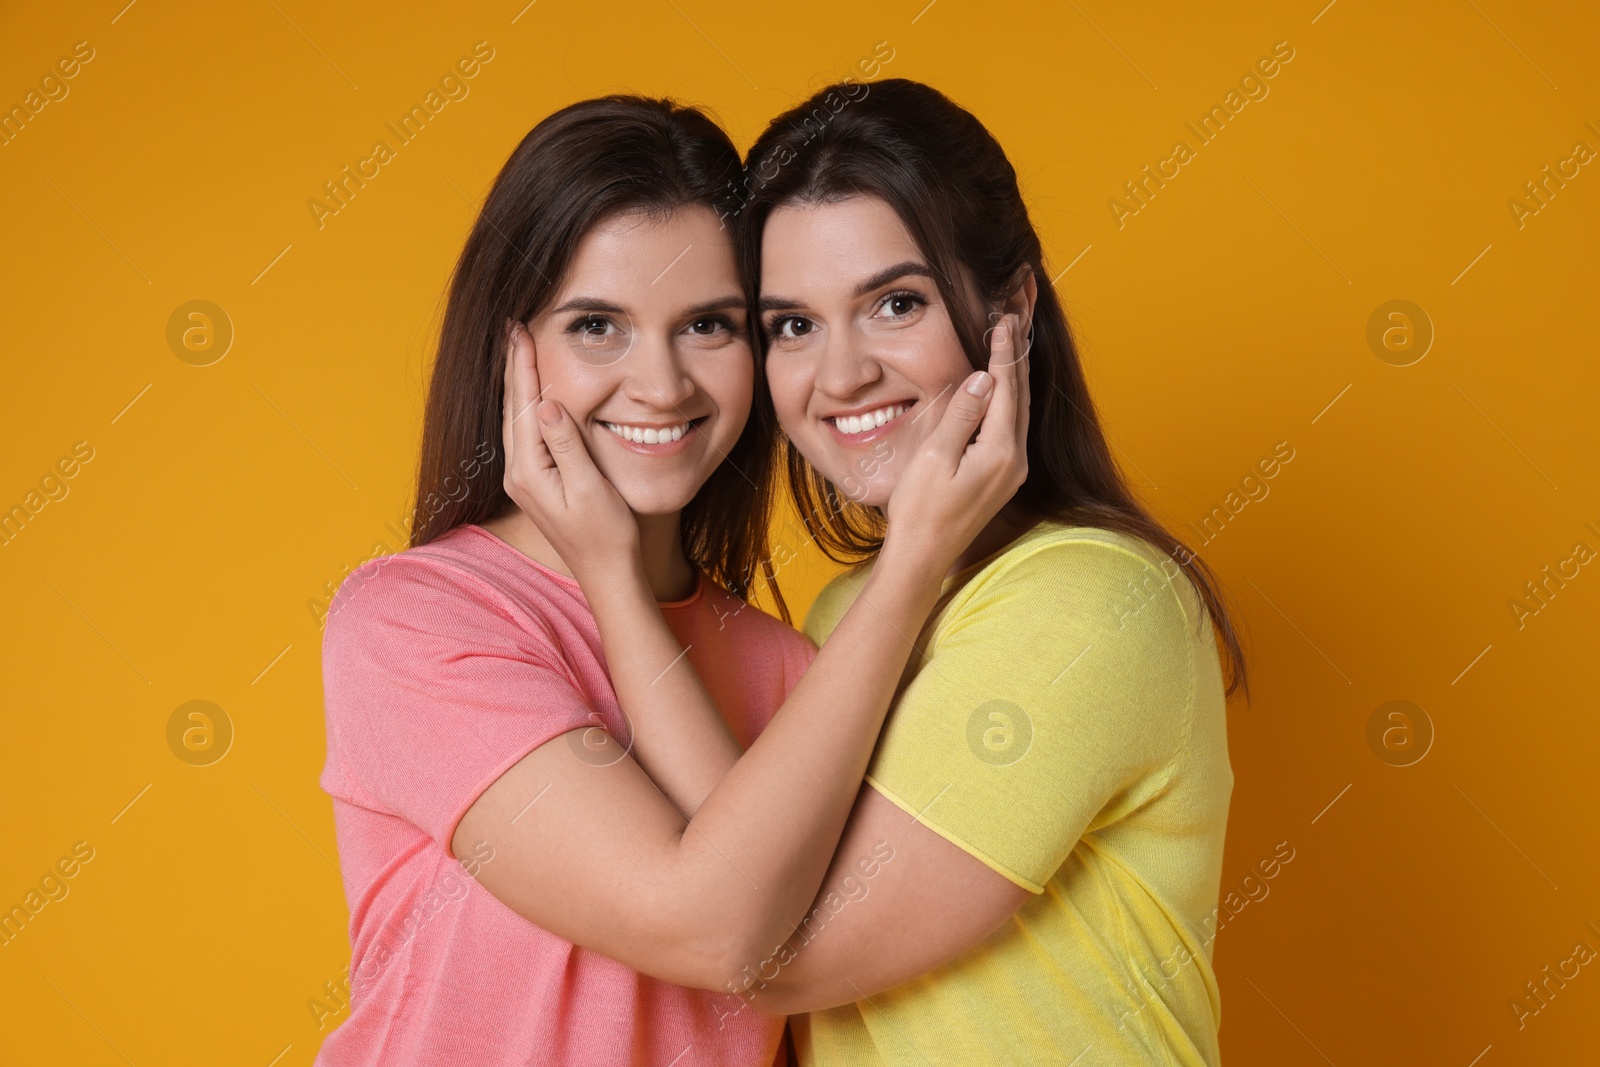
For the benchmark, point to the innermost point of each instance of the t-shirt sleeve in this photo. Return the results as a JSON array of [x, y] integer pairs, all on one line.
[[432, 691], [1056, 700]]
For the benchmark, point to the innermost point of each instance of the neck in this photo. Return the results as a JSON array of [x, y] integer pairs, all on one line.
[[667, 570], [1011, 523]]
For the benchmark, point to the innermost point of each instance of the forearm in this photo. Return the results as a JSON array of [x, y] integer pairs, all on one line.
[[610, 865], [899, 900], [766, 823], [678, 735], [777, 815]]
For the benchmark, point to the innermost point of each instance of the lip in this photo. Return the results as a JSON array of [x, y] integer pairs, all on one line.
[[850, 440], [667, 448]]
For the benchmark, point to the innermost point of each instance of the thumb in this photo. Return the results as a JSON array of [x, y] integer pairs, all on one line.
[[961, 418]]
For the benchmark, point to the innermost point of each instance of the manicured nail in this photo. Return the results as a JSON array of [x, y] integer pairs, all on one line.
[[1000, 334], [978, 384], [549, 412]]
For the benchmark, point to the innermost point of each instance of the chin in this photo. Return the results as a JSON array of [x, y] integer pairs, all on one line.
[[874, 498], [868, 493], [654, 500]]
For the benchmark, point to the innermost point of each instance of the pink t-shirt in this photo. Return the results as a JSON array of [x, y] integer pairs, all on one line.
[[442, 667]]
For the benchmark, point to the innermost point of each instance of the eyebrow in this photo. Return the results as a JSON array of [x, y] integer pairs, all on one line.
[[909, 269], [591, 303], [722, 303]]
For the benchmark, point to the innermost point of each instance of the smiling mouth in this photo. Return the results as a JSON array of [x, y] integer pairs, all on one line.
[[650, 435], [871, 420]]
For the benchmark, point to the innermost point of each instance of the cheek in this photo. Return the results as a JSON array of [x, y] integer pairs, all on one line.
[[927, 354], [728, 379], [789, 384], [736, 385], [937, 365], [576, 387]]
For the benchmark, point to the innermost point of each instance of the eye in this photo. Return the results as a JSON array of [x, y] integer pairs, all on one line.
[[902, 303], [592, 325], [709, 325], [790, 328]]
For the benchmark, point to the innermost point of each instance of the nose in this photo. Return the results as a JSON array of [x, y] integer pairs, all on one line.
[[845, 365], [656, 376]]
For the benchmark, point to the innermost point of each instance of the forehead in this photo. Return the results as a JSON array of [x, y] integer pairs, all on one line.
[[833, 244], [645, 261]]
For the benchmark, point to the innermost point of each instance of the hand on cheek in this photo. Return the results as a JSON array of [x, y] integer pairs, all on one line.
[[551, 477]]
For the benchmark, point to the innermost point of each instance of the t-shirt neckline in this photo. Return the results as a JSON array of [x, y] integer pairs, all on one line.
[[572, 583]]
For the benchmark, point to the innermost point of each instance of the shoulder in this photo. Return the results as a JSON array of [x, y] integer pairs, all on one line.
[[1068, 587], [419, 591], [832, 603], [1056, 566], [1088, 622], [1052, 544]]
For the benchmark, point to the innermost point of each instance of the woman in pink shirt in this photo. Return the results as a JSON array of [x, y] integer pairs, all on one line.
[[577, 779]]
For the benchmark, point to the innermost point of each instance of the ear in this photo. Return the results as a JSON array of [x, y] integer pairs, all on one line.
[[1021, 299], [1024, 294]]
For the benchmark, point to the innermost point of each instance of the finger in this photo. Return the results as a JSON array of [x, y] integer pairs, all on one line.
[[507, 438], [527, 439], [566, 448], [1000, 422], [1024, 386], [961, 418]]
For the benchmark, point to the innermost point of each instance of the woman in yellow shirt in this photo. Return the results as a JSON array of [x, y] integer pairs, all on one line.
[[1031, 871]]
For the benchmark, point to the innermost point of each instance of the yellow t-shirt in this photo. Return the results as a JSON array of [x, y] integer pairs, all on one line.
[[1064, 723]]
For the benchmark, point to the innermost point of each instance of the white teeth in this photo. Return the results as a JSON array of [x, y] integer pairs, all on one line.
[[648, 435], [871, 420]]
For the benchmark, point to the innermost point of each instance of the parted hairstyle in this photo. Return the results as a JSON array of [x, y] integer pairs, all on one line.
[[953, 188], [582, 165]]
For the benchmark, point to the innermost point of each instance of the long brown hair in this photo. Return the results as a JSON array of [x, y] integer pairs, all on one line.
[[949, 181], [585, 163]]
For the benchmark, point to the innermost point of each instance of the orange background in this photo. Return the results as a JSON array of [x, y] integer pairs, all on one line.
[[1229, 314]]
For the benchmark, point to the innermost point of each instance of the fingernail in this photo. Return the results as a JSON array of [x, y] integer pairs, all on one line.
[[549, 412], [1000, 334], [978, 384]]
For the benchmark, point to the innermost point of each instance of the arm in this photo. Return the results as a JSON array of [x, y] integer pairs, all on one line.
[[605, 860], [898, 902], [1099, 710]]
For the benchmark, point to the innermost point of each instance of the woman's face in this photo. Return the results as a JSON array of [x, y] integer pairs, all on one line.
[[862, 354], [646, 347]]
